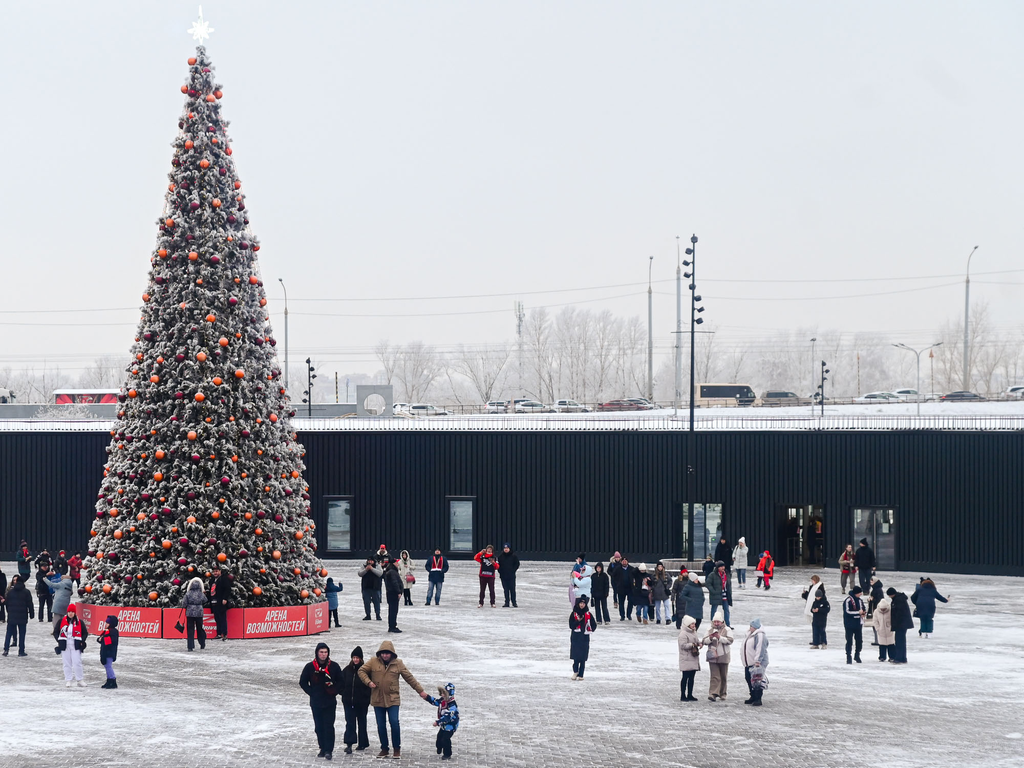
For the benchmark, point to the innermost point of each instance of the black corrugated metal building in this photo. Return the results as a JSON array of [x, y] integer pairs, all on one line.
[[927, 500]]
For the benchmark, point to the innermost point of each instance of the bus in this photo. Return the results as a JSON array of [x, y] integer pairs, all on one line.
[[66, 396], [706, 395]]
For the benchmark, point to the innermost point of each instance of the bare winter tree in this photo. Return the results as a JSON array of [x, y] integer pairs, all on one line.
[[484, 368], [103, 373], [388, 356], [418, 366]]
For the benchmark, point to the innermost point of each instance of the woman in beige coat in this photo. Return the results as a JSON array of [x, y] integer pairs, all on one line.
[[718, 641], [882, 619], [689, 657]]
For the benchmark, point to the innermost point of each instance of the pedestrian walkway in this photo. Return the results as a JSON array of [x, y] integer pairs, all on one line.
[[238, 704]]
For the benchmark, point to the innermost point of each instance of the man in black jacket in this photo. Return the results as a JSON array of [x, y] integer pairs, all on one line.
[[321, 680], [355, 697], [19, 611], [43, 592], [723, 553], [902, 619], [395, 588], [220, 598], [853, 622], [621, 577], [864, 558], [370, 576], [508, 564]]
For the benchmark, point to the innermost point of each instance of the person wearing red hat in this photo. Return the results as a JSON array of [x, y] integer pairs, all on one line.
[[71, 643]]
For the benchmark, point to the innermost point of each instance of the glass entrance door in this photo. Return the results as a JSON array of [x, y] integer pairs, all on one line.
[[802, 532], [460, 525], [878, 526]]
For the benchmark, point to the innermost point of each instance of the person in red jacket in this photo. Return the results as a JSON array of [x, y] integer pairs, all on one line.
[[75, 568], [488, 568], [767, 565]]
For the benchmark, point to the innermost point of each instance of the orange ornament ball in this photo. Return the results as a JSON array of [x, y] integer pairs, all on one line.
[[215, 515], [88, 589], [113, 513], [146, 297], [184, 89], [193, 256], [190, 519], [162, 253], [211, 318], [217, 380], [158, 476], [295, 473], [154, 379], [192, 435], [166, 544], [189, 144], [297, 571], [248, 515], [299, 535], [191, 62], [238, 185], [259, 531], [211, 98], [277, 554], [132, 393], [107, 589], [263, 302], [215, 203], [273, 417], [154, 595], [204, 163], [316, 591], [159, 454], [223, 341], [253, 280], [222, 558], [131, 529], [169, 222], [263, 570], [304, 594], [141, 516], [200, 397], [219, 94], [118, 534], [323, 572], [257, 591], [201, 357], [239, 374]]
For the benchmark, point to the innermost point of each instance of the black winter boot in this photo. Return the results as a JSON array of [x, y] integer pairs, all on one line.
[[856, 657], [848, 659]]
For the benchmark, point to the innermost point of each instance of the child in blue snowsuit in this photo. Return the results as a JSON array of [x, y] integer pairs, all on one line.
[[332, 591], [447, 719]]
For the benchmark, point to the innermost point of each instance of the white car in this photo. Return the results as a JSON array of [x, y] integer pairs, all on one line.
[[530, 406], [908, 395], [878, 397], [1015, 392], [497, 406], [568, 406], [400, 407], [425, 409]]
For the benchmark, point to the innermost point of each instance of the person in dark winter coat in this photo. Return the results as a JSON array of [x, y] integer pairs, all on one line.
[[621, 576], [61, 563], [693, 594], [355, 697], [371, 576], [220, 601], [24, 563], [678, 601], [642, 593], [819, 619], [508, 564], [581, 625], [381, 556], [332, 590], [44, 593], [320, 680], [108, 650], [723, 554], [719, 587], [854, 612], [600, 585], [394, 587], [447, 722], [864, 559], [902, 621], [44, 561], [3, 596], [436, 567], [193, 603], [707, 566], [19, 611], [924, 598]]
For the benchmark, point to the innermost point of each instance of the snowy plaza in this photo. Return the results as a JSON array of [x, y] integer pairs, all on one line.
[[957, 702]]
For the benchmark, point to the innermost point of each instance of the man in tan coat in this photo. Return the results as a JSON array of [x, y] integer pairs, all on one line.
[[381, 674]]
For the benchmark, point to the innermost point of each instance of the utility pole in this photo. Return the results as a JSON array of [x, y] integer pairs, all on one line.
[[691, 450], [520, 316], [336, 400], [281, 281], [679, 332], [858, 376], [917, 353], [308, 399], [931, 367], [650, 334], [967, 316], [821, 387], [813, 342]]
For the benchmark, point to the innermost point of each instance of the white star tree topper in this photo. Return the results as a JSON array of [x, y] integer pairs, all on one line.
[[201, 28]]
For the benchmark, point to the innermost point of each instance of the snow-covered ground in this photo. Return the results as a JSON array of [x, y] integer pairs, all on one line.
[[958, 701]]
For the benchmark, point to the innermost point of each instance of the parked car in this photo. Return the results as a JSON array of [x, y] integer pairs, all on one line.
[[568, 406], [400, 407], [1015, 392], [618, 405], [878, 397], [497, 406], [962, 395], [778, 397], [908, 395], [425, 409], [642, 403], [530, 406]]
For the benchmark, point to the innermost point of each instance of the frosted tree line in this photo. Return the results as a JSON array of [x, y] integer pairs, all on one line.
[[593, 356]]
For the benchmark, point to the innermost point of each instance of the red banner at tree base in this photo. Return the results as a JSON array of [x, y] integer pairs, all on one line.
[[284, 621]]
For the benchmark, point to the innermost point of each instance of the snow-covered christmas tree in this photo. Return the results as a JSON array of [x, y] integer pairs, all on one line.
[[204, 468]]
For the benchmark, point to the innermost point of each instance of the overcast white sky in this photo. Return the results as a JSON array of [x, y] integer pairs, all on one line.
[[418, 150]]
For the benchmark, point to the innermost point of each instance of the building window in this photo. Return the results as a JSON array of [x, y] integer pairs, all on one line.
[[460, 524], [339, 524], [706, 529]]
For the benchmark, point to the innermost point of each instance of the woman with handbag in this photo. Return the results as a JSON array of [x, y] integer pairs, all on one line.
[[755, 662], [689, 657], [405, 570], [195, 599]]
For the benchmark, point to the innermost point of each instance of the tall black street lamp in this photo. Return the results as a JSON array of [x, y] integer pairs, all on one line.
[[310, 375], [820, 394], [691, 450]]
